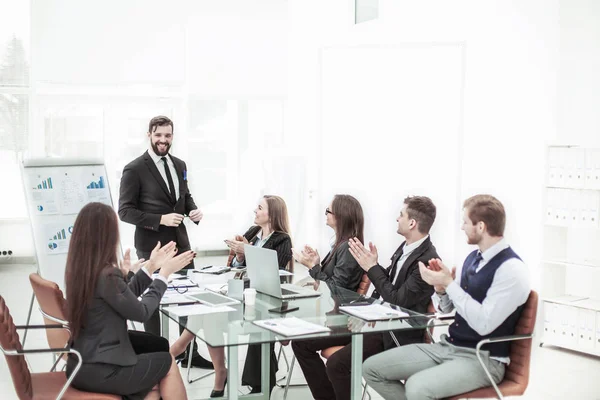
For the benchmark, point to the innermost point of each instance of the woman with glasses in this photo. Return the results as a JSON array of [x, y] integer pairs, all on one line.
[[271, 230], [338, 270], [100, 302]]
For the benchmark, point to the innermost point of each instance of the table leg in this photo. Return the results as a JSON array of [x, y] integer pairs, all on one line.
[[164, 325], [232, 373], [356, 377], [265, 369]]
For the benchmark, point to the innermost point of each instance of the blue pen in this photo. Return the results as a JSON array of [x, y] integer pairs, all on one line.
[[185, 174]]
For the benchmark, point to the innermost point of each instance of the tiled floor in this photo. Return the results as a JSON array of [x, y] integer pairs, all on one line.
[[555, 374]]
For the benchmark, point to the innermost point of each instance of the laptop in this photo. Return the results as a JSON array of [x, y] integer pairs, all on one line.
[[263, 271]]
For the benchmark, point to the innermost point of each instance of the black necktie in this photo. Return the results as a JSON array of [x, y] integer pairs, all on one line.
[[395, 266], [472, 268], [170, 180]]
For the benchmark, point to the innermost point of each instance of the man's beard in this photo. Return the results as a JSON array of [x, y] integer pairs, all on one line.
[[158, 153]]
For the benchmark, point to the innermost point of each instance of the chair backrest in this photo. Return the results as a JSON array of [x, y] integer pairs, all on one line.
[[363, 286], [9, 340], [52, 302], [520, 350]]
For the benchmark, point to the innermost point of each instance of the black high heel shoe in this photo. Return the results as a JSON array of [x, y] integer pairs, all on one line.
[[219, 393]]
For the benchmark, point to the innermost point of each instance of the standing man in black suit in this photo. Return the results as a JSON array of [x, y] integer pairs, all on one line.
[[155, 197], [400, 284]]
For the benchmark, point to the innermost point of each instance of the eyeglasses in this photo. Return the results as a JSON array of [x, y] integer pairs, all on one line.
[[180, 289], [328, 211]]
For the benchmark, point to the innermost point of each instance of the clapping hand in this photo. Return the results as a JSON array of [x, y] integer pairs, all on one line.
[[237, 246], [160, 255], [367, 259], [437, 274], [175, 264], [308, 257], [126, 265]]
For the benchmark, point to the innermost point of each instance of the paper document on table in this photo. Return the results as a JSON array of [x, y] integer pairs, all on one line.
[[198, 309], [214, 269], [176, 298], [291, 326], [373, 312]]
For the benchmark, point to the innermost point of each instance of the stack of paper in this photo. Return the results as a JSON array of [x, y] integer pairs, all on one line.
[[291, 326], [198, 309], [373, 312], [214, 269]]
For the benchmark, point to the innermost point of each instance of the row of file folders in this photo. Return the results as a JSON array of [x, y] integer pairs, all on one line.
[[575, 325], [571, 207], [574, 167]]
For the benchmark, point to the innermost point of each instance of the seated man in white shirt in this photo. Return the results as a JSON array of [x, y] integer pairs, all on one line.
[[488, 297]]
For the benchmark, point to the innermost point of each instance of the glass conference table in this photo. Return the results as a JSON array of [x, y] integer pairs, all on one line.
[[235, 328]]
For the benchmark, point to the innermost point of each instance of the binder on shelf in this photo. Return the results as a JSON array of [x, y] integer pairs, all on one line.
[[569, 167], [573, 204], [579, 171], [592, 169], [551, 206], [553, 163]]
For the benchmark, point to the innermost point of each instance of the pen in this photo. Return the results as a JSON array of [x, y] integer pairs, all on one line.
[[207, 267]]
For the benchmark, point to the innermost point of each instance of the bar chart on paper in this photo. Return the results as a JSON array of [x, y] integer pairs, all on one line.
[[97, 185], [58, 238], [45, 184], [97, 189], [43, 195]]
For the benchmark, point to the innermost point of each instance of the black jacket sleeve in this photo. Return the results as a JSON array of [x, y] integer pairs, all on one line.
[[118, 295], [345, 272], [413, 292], [284, 250], [129, 193], [139, 282]]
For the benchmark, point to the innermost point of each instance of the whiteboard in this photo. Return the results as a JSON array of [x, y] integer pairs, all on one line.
[[55, 190]]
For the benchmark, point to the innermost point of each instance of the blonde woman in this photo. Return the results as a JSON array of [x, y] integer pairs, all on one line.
[[271, 230]]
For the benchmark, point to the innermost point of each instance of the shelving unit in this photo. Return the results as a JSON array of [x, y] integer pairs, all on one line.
[[571, 265]]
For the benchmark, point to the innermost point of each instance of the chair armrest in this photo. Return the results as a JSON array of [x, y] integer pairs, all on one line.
[[54, 319], [49, 326], [496, 340], [65, 350]]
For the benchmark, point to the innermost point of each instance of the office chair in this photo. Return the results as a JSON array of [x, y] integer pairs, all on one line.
[[43, 385]]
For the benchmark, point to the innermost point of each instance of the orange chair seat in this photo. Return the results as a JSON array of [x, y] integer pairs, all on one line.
[[506, 388], [46, 386]]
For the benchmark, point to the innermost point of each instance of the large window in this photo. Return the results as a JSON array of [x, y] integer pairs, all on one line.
[[14, 103]]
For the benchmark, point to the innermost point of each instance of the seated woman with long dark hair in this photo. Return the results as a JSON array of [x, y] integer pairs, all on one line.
[[271, 230], [345, 216], [338, 269], [100, 302]]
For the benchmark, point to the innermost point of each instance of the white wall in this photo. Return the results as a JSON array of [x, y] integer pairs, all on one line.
[[510, 72]]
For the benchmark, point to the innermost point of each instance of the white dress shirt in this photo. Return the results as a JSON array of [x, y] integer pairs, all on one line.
[[406, 251], [510, 288], [161, 169]]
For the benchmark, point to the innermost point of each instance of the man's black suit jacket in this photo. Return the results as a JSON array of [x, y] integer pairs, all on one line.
[[410, 290], [144, 198]]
